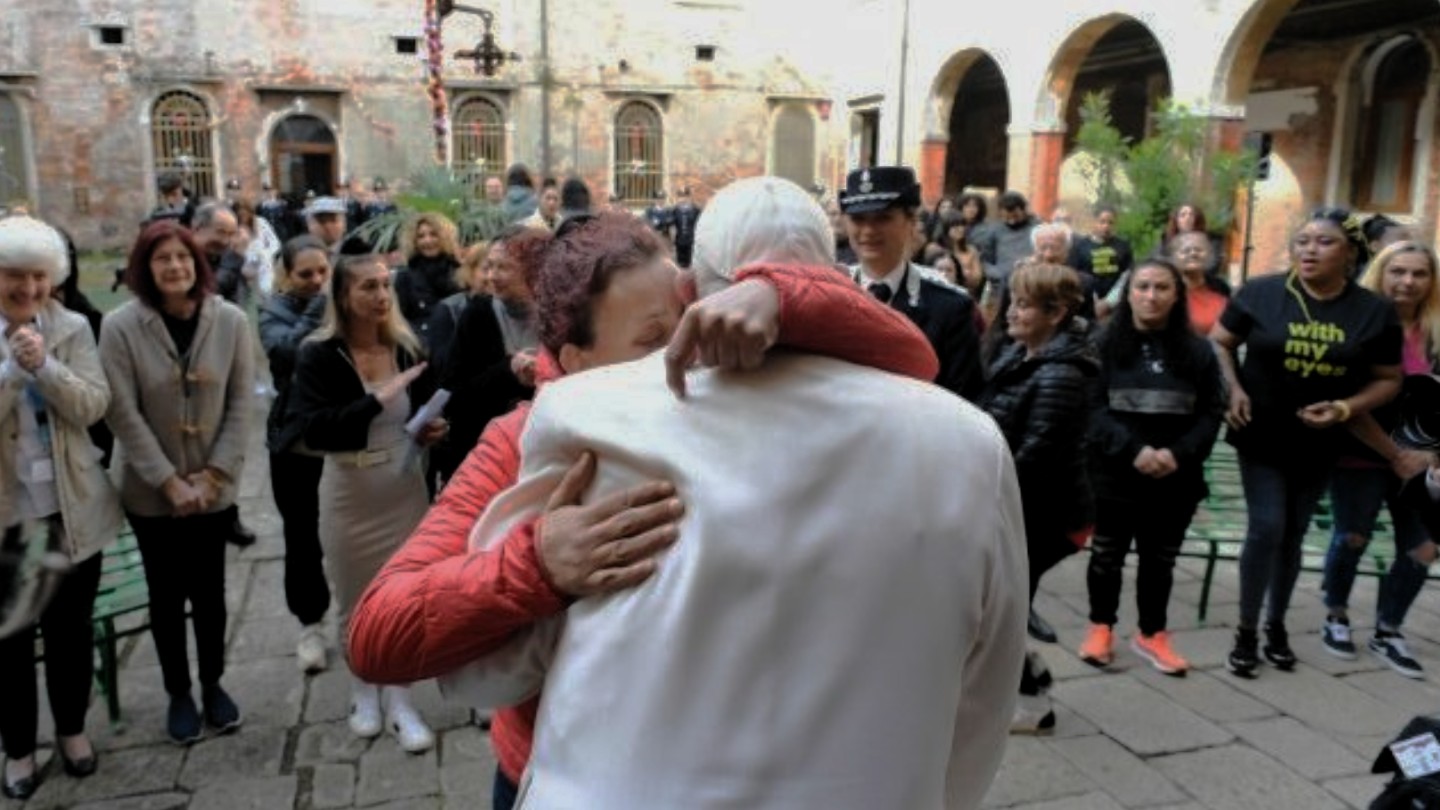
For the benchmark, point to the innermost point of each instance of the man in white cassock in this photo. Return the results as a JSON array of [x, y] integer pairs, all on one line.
[[841, 622]]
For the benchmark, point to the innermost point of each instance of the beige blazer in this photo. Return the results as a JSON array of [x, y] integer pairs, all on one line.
[[76, 396], [840, 625], [167, 419]]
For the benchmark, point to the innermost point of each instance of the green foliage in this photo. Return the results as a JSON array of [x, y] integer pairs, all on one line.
[[1148, 180], [436, 190]]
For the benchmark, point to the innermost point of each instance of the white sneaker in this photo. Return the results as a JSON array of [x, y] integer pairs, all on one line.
[[310, 653], [365, 718], [404, 722]]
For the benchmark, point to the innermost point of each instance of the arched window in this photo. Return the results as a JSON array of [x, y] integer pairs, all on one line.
[[478, 125], [14, 174], [639, 154], [794, 145], [1386, 142], [180, 127]]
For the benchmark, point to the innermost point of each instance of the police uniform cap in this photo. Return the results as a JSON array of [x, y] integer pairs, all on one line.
[[878, 188]]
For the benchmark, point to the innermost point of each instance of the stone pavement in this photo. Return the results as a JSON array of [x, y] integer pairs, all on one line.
[[1127, 738]]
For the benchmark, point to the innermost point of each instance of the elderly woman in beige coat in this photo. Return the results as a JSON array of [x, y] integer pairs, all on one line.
[[51, 390], [180, 367]]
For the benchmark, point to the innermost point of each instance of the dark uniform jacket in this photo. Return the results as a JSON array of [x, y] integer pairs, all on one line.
[[946, 314]]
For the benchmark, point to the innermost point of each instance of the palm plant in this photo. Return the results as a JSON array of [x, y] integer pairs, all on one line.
[[437, 190]]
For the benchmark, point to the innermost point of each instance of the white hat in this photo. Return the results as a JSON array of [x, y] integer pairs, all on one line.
[[325, 205], [761, 219], [29, 244]]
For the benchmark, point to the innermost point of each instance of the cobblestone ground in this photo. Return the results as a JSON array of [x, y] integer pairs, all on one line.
[[1127, 738]]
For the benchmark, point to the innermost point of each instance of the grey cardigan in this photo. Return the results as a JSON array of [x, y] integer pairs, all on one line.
[[169, 419]]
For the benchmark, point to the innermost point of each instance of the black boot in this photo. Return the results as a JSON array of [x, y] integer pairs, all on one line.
[[1040, 630], [1277, 647], [1243, 658]]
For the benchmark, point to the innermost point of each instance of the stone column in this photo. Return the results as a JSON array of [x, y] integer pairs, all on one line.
[[931, 170], [1047, 150]]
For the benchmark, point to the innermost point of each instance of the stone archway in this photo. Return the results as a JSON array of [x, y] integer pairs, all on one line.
[[979, 144], [966, 126], [1347, 91], [1115, 54]]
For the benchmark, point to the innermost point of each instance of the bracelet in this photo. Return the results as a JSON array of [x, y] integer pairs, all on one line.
[[1343, 407]]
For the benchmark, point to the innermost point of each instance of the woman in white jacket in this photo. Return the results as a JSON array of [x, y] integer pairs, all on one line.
[[51, 390]]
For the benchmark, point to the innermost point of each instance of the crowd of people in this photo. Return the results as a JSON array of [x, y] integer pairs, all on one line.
[[646, 564]]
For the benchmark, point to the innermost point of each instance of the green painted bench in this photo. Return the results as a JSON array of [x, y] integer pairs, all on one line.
[[122, 592]]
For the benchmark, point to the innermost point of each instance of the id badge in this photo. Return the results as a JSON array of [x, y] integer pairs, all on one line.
[[42, 471]]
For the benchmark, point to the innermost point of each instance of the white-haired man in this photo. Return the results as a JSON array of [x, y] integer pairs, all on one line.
[[832, 628]]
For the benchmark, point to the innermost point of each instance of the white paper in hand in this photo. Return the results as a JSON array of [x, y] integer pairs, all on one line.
[[427, 413]]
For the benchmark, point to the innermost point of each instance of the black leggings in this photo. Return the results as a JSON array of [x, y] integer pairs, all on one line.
[[69, 664], [1157, 526], [295, 483], [185, 562]]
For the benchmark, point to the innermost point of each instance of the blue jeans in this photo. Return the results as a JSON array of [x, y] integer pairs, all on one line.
[[1279, 502], [1356, 495]]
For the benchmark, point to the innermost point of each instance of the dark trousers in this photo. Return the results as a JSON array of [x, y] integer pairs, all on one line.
[[185, 561], [1356, 495], [505, 793], [1279, 502], [1157, 527], [69, 664], [295, 482], [1046, 550]]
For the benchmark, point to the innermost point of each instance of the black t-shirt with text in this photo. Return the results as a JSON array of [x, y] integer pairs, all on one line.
[[1300, 351], [1105, 261]]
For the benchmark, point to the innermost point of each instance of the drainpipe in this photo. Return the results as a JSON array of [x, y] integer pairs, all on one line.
[[900, 103], [545, 81]]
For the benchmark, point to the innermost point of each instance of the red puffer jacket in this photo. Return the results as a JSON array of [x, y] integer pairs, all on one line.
[[437, 605]]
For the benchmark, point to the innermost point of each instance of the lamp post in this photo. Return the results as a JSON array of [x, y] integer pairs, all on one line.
[[487, 54]]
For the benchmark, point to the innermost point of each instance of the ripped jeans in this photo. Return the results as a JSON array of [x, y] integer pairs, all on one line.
[[1356, 495]]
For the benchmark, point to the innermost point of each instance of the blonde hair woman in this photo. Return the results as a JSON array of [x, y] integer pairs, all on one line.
[[1405, 274], [357, 381], [432, 253]]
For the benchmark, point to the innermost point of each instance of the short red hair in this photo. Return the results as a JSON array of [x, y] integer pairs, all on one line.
[[578, 269]]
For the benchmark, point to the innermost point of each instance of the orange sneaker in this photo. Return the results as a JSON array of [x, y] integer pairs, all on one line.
[[1099, 647], [1157, 650]]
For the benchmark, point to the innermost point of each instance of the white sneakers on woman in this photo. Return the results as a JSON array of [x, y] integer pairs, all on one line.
[[404, 722], [365, 718], [399, 717]]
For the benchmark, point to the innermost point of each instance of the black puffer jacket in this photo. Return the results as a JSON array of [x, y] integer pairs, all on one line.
[[285, 321], [1041, 405], [420, 286]]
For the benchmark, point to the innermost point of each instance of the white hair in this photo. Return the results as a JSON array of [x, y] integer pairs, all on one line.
[[759, 219], [1050, 228], [29, 244]]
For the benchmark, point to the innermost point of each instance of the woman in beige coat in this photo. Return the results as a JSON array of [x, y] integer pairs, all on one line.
[[51, 390], [180, 367]]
